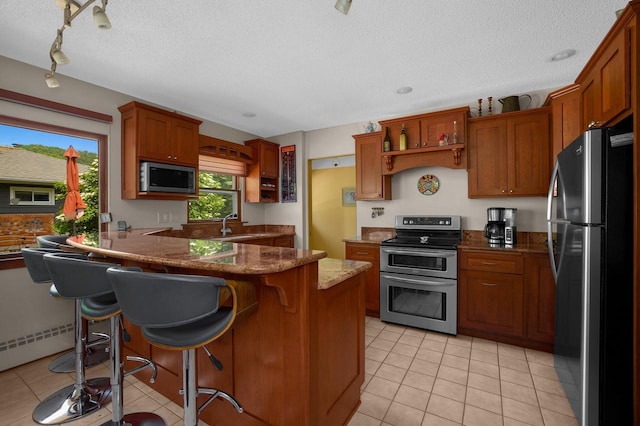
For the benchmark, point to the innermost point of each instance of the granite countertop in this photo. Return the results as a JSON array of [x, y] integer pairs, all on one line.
[[371, 236], [141, 245], [144, 245], [527, 242], [334, 271]]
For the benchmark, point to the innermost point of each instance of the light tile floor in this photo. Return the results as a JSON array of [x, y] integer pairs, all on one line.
[[413, 377], [420, 378]]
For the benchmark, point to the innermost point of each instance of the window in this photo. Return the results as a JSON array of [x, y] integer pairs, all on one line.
[[28, 196], [218, 197]]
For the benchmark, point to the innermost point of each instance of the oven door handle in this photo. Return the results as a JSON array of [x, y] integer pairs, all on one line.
[[418, 281], [430, 253]]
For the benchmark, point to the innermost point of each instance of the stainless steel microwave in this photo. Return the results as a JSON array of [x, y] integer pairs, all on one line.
[[160, 177]]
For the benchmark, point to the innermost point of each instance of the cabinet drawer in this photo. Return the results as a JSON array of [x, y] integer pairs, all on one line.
[[508, 263], [362, 252]]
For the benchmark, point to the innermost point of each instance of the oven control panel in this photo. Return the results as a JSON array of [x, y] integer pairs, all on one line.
[[438, 222]]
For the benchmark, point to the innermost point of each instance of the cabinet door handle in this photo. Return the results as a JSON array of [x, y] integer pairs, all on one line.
[[489, 284], [489, 263], [511, 190], [362, 252], [503, 191]]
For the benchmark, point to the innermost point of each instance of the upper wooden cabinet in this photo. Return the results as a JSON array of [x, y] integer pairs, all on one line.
[[153, 134], [423, 140], [605, 85], [261, 183], [370, 183], [565, 117], [509, 154]]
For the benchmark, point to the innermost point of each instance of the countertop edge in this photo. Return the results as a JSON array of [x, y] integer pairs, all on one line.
[[332, 271]]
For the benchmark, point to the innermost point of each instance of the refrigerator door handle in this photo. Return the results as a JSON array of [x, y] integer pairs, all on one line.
[[552, 185], [554, 177]]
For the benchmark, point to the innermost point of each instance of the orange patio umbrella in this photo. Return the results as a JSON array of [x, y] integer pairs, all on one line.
[[73, 205]]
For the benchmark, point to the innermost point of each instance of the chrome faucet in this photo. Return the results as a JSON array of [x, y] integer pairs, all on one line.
[[224, 229]]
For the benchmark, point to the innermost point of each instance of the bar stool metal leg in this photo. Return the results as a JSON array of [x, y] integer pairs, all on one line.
[[117, 392], [189, 387], [79, 399]]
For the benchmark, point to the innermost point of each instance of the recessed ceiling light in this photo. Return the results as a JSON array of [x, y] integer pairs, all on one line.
[[249, 114], [563, 55], [404, 90]]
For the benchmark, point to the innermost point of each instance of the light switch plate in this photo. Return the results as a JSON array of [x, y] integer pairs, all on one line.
[[105, 217]]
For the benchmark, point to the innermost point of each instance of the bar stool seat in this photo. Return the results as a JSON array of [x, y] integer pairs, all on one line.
[[182, 312]]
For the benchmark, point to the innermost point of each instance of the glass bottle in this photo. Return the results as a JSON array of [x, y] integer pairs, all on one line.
[[403, 139], [386, 145], [455, 131]]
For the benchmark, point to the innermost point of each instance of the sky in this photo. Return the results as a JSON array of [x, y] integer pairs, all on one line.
[[10, 135]]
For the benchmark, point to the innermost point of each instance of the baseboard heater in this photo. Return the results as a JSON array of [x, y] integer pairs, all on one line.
[[23, 349]]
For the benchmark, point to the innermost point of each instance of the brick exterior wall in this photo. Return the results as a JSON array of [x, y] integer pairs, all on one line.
[[20, 230]]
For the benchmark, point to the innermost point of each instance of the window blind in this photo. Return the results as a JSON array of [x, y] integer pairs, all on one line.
[[221, 165]]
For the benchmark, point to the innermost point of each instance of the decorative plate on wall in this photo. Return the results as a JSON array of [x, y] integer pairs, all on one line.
[[428, 184]]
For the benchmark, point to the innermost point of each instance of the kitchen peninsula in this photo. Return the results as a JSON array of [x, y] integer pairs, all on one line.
[[298, 359]]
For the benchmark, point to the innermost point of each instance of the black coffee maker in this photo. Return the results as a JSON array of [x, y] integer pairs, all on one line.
[[494, 229]]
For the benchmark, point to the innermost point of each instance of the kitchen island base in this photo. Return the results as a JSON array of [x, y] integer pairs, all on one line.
[[298, 360]]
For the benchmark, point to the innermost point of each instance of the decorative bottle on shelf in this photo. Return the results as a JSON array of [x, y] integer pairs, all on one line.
[[386, 145], [403, 139], [455, 131]]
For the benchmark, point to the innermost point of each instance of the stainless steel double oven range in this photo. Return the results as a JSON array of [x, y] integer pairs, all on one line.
[[419, 273]]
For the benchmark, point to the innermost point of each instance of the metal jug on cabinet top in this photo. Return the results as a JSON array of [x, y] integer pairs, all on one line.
[[512, 103]]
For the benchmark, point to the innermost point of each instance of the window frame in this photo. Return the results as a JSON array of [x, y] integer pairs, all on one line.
[[238, 199], [14, 260], [33, 189]]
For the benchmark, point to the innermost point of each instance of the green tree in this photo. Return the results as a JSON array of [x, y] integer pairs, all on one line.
[[212, 205], [88, 223]]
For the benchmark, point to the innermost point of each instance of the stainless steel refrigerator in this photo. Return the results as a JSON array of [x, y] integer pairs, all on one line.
[[593, 268]]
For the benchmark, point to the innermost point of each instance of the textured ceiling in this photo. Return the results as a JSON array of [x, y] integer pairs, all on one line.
[[302, 65]]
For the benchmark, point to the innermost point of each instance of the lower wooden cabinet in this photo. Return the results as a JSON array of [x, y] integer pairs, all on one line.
[[507, 297], [368, 253]]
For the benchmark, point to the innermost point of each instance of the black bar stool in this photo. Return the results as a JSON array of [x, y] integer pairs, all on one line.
[[97, 351], [85, 281], [181, 312]]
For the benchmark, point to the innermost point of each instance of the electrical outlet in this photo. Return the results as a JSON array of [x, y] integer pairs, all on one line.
[[164, 217]]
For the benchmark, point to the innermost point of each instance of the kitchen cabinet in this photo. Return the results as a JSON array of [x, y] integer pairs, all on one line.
[[507, 296], [452, 123], [423, 141], [368, 253], [491, 293], [540, 298], [605, 84], [565, 118], [509, 154], [261, 182], [152, 134], [371, 184]]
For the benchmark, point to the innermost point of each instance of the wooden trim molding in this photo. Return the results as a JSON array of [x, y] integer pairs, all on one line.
[[19, 98], [218, 148]]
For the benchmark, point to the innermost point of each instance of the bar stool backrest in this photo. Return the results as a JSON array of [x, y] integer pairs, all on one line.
[[76, 277], [34, 261], [52, 241], [157, 300]]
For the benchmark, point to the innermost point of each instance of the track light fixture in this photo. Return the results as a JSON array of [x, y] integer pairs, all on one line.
[[343, 6], [72, 9]]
